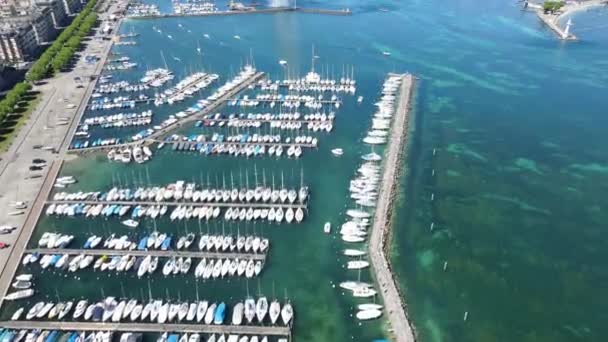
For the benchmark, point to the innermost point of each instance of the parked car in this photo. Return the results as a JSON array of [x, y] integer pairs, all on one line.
[[3, 245]]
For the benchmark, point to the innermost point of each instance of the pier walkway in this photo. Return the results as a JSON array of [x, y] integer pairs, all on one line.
[[208, 109], [247, 121], [257, 205], [394, 306], [149, 327], [238, 144], [152, 252]]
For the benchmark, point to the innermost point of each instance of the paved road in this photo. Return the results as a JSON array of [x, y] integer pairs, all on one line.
[[62, 98], [394, 308]]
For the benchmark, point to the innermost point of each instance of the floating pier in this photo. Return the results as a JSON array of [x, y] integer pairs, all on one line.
[[150, 327], [395, 308], [153, 253]]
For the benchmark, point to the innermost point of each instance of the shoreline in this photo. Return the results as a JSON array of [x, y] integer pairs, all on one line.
[[37, 202], [552, 20], [401, 328]]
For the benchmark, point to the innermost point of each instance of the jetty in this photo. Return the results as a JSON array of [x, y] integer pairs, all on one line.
[[258, 205], [152, 253], [552, 20], [400, 325], [278, 331], [340, 12]]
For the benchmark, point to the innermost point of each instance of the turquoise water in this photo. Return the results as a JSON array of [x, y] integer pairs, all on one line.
[[517, 122]]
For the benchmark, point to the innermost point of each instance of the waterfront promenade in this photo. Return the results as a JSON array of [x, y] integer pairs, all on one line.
[[21, 184], [400, 326]]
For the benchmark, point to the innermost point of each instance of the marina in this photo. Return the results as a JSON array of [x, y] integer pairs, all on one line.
[[214, 101], [120, 218]]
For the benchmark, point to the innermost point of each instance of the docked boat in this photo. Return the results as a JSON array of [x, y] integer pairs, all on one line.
[[275, 311], [287, 313], [210, 315], [365, 315], [369, 306], [261, 309], [237, 314], [220, 314], [19, 294], [357, 264]]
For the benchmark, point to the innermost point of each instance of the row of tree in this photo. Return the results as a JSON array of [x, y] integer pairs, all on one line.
[[12, 98], [58, 55]]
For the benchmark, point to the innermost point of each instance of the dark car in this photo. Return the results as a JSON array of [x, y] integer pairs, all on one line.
[[35, 168], [38, 161], [37, 147]]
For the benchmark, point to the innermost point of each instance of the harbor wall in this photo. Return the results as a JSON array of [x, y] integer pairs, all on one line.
[[400, 327]]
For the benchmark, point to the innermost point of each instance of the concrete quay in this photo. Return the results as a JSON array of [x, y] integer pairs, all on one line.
[[150, 327], [394, 307]]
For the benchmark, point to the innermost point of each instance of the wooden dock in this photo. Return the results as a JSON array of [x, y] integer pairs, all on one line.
[[256, 205], [244, 120], [238, 144], [153, 253], [333, 102], [280, 331], [395, 309]]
